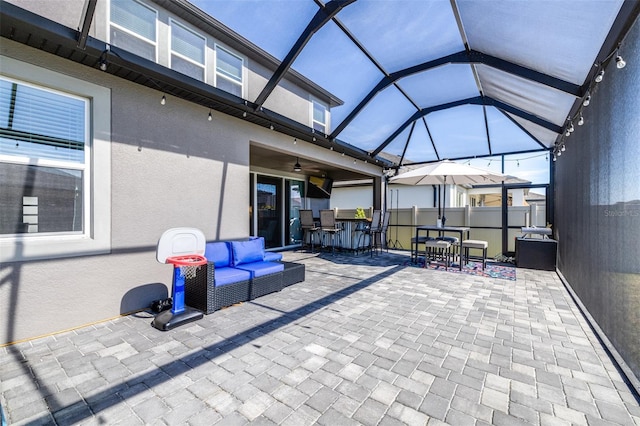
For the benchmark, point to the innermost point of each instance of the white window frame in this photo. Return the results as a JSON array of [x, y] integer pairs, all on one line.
[[313, 102], [96, 235], [172, 52], [217, 74], [84, 167], [132, 33]]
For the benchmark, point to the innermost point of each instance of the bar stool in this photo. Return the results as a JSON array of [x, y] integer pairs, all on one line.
[[308, 226], [378, 233], [455, 245], [329, 226], [415, 246], [361, 229], [438, 249], [370, 230], [476, 245]]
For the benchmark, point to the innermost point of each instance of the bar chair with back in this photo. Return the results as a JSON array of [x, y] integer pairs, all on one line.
[[380, 235], [308, 226], [330, 227], [369, 231]]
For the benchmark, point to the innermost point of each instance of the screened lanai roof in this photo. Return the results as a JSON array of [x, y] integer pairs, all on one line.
[[410, 81], [424, 80]]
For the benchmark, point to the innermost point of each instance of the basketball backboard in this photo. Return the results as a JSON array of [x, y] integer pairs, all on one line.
[[179, 242]]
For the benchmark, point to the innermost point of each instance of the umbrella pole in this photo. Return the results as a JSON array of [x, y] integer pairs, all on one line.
[[444, 201]]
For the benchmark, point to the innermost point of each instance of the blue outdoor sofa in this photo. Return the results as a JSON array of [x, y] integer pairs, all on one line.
[[238, 271]]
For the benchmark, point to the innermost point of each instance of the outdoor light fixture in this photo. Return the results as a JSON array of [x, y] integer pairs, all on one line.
[[103, 58], [571, 128], [210, 116], [163, 100], [600, 76], [295, 141], [244, 114], [620, 63], [563, 148], [586, 101], [297, 167], [581, 120], [271, 126]]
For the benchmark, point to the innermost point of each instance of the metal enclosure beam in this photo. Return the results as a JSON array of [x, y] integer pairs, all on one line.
[[322, 16], [478, 100], [463, 57], [87, 18]]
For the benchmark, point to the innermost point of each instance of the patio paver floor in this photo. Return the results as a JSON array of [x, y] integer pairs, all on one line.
[[363, 341]]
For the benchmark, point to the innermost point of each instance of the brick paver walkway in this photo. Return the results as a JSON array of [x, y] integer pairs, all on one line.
[[361, 342]]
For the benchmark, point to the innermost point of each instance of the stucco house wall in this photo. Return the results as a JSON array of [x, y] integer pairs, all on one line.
[[170, 167]]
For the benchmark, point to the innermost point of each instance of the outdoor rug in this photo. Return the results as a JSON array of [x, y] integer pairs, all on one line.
[[502, 271]]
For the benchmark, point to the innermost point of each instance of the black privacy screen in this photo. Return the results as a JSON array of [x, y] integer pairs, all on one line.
[[597, 207]]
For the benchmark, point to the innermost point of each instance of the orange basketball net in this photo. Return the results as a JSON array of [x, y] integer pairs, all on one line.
[[188, 264]]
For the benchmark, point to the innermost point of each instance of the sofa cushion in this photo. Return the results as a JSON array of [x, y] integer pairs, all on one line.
[[218, 254], [224, 276], [247, 251], [269, 256], [272, 256], [259, 269], [479, 244]]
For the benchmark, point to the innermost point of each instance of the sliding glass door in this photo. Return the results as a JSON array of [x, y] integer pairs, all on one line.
[[269, 210], [295, 202], [275, 210]]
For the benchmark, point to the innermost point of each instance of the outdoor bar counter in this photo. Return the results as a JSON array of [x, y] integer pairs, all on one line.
[[348, 237], [351, 231]]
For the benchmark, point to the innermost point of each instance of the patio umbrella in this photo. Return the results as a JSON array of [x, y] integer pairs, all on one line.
[[448, 172]]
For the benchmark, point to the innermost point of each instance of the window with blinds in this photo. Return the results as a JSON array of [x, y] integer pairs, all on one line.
[[43, 159], [133, 27], [187, 51], [319, 116], [229, 68]]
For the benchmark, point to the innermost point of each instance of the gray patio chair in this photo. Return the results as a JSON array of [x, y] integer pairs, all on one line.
[[370, 230], [329, 226], [378, 240], [308, 226]]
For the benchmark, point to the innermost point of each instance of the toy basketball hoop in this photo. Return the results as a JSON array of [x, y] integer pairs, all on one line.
[[184, 249], [188, 264]]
